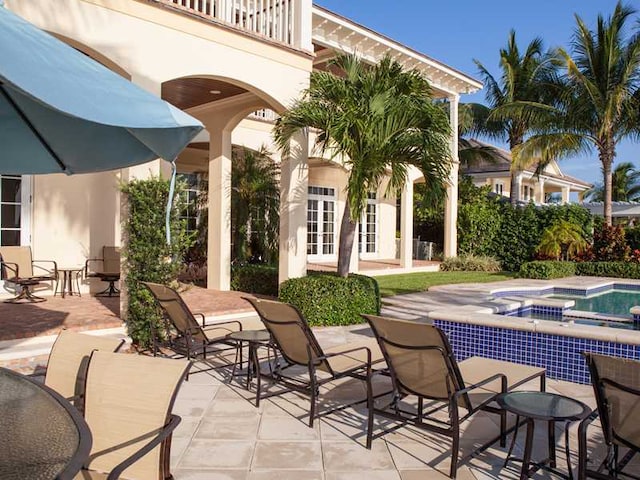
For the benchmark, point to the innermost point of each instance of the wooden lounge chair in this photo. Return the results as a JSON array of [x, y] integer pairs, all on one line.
[[422, 364], [187, 337], [128, 403], [68, 360], [297, 344], [616, 385], [106, 269], [18, 267]]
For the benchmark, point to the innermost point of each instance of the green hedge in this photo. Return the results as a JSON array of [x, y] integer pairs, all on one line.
[[608, 269], [544, 270], [250, 278], [327, 299]]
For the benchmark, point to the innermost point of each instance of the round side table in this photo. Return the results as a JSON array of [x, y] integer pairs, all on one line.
[[254, 338], [545, 406], [68, 274]]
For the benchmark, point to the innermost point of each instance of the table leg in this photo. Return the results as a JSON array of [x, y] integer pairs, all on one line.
[[64, 283], [552, 443], [254, 349], [250, 366], [566, 449], [528, 448]]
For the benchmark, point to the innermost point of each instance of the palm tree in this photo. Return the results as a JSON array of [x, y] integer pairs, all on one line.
[[597, 102], [379, 119], [625, 185], [562, 239], [255, 203], [523, 79]]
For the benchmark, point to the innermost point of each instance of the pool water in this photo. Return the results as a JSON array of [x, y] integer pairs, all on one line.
[[580, 321], [614, 302]]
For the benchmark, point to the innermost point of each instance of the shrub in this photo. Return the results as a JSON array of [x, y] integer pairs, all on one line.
[[328, 299], [544, 270], [147, 257], [609, 244], [632, 235], [609, 269], [471, 263], [255, 278]]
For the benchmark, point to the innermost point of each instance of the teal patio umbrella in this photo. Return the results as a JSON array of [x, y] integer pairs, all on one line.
[[62, 112]]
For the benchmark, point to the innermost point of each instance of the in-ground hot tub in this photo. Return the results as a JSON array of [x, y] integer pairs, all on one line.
[[493, 329]]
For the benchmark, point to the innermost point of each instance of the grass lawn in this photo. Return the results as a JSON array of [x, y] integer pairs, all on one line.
[[419, 282]]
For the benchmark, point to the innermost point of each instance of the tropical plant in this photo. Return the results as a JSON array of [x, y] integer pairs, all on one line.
[[562, 240], [597, 101], [625, 185], [255, 203], [523, 79], [379, 120]]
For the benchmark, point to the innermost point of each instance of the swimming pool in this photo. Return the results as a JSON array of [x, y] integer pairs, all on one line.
[[614, 302]]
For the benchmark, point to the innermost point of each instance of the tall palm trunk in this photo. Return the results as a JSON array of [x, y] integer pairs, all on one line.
[[606, 157], [347, 235], [514, 192]]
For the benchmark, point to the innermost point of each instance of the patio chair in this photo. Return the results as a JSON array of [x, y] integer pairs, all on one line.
[[189, 338], [106, 269], [298, 346], [68, 360], [18, 267], [128, 403], [616, 385], [421, 363]]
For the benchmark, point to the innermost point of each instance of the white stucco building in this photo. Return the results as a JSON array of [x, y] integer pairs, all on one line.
[[234, 65]]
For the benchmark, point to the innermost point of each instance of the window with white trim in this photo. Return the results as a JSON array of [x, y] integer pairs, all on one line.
[[369, 226], [191, 192], [14, 210], [498, 188], [321, 222]]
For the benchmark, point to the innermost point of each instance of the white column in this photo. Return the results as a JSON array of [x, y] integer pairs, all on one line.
[[302, 24], [406, 226], [451, 202], [519, 187], [294, 181], [539, 193], [219, 234], [566, 192]]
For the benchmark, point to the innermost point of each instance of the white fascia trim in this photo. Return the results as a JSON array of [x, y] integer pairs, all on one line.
[[472, 84]]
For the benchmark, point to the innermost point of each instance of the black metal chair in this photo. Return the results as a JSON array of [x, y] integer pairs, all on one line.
[[616, 385], [18, 267]]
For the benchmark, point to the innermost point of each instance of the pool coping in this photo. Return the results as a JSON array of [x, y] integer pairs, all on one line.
[[488, 312]]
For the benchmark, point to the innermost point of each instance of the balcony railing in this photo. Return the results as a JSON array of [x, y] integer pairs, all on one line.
[[274, 19], [264, 114]]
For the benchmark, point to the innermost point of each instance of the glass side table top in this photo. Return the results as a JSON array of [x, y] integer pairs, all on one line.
[[543, 405], [42, 436], [250, 336]]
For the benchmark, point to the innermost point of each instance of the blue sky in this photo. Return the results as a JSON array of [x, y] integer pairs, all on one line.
[[457, 31]]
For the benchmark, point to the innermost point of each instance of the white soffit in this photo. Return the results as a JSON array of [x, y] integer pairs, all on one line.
[[339, 33]]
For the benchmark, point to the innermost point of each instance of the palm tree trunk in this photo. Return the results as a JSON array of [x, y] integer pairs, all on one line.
[[514, 191], [347, 235], [606, 157]]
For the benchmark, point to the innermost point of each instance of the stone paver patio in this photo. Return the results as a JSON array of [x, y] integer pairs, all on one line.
[[223, 436]]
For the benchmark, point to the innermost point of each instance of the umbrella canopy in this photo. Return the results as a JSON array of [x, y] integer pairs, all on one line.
[[61, 111]]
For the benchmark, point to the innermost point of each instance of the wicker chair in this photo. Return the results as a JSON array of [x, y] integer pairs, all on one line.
[[128, 403], [187, 337], [68, 360], [298, 346], [108, 270], [422, 364], [18, 267], [616, 385]]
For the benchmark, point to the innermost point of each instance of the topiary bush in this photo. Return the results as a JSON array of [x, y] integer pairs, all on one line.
[[147, 257], [545, 270], [471, 263], [327, 299], [255, 278], [608, 269]]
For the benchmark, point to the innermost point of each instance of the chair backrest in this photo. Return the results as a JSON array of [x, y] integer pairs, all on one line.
[[111, 259], [616, 384], [128, 399], [20, 256], [67, 365], [176, 311], [419, 358], [290, 331]]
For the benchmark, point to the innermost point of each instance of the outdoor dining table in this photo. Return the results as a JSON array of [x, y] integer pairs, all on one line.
[[42, 436]]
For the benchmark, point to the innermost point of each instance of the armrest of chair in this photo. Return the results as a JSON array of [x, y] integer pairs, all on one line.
[[327, 356], [582, 443], [14, 269], [157, 440], [217, 324], [55, 265], [86, 264], [457, 394]]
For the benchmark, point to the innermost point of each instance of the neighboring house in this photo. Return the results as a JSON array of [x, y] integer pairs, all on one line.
[[539, 188], [233, 64]]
